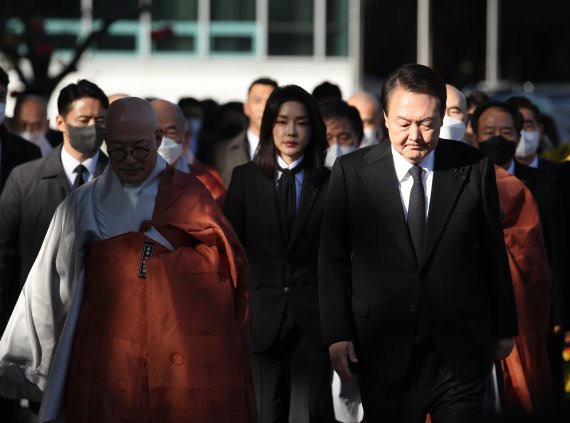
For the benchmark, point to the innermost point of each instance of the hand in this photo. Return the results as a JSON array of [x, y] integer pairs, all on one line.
[[340, 353], [503, 348]]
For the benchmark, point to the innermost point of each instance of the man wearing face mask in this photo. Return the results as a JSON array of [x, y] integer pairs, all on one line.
[[496, 128], [344, 129], [455, 117], [30, 121], [175, 148], [531, 135], [35, 189], [372, 117]]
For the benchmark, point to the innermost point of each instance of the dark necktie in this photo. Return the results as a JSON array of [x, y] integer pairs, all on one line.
[[417, 210], [287, 198], [79, 177]]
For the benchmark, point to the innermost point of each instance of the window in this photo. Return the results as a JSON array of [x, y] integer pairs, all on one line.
[[290, 27]]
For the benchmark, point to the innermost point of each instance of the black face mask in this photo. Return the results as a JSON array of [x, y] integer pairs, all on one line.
[[500, 149]]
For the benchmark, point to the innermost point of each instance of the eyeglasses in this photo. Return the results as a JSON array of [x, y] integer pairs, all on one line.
[[120, 154]]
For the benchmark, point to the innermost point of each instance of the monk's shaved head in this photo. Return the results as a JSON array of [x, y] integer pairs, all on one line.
[[130, 111], [171, 120], [166, 108], [132, 138]]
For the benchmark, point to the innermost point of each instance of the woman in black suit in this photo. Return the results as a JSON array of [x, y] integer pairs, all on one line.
[[276, 204]]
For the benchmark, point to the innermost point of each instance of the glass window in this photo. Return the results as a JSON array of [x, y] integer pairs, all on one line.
[[174, 25], [290, 27], [233, 27], [179, 10], [337, 27], [122, 34], [231, 10], [61, 9]]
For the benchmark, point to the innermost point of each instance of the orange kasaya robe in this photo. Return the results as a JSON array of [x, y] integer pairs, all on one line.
[[211, 180], [165, 339], [526, 370]]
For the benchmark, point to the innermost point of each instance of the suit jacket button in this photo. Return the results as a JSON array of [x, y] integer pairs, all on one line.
[[412, 308], [286, 289]]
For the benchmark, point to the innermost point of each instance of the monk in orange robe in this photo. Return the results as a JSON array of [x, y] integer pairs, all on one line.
[[137, 308], [526, 371]]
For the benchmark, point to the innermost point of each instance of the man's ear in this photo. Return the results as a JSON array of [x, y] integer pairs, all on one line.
[[60, 123], [158, 137]]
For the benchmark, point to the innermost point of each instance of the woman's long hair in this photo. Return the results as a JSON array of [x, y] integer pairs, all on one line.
[[314, 153]]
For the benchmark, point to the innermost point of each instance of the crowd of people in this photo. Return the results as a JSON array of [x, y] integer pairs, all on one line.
[[297, 257]]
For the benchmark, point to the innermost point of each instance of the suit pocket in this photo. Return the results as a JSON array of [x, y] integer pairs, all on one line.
[[360, 306]]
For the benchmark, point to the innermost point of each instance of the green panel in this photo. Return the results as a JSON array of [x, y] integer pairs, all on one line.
[[231, 10], [178, 10], [337, 27]]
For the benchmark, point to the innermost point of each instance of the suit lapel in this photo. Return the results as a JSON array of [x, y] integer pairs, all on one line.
[[379, 178], [53, 169], [446, 186], [309, 193]]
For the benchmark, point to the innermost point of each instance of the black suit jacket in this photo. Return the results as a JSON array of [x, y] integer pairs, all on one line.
[[31, 195], [372, 287], [14, 151], [548, 190], [282, 275], [228, 153]]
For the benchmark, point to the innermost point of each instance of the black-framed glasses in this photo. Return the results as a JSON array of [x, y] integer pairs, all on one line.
[[120, 154]]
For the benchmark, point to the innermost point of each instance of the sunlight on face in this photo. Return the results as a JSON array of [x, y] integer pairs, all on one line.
[[413, 123], [291, 131]]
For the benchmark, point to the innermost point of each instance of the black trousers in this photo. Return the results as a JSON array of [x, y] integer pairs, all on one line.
[[292, 382], [428, 387]]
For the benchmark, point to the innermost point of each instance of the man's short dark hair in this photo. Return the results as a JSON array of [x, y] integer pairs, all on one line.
[[521, 102], [82, 89], [509, 108], [476, 98], [338, 109], [327, 91], [418, 79], [263, 81], [4, 78]]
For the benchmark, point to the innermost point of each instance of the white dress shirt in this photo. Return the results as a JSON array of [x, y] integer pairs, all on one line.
[[298, 177], [70, 163], [405, 180], [253, 141]]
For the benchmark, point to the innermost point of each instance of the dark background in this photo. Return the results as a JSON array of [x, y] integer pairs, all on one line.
[[534, 39]]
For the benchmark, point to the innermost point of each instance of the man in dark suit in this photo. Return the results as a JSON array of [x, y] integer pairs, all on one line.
[[228, 153], [13, 149], [496, 128], [13, 152], [34, 190], [415, 289]]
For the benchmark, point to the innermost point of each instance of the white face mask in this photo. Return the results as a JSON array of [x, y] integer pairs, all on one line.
[[336, 150], [370, 137], [452, 129], [528, 144], [2, 112], [170, 150], [36, 138]]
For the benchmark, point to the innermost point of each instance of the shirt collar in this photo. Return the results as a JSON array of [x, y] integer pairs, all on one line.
[[70, 163], [402, 166], [284, 165]]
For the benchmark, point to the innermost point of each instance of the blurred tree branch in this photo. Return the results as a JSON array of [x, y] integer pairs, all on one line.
[[36, 46]]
